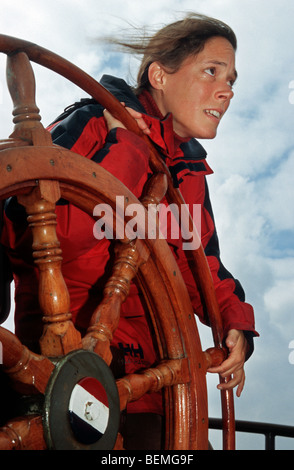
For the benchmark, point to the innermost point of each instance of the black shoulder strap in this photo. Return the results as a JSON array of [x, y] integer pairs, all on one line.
[[72, 107]]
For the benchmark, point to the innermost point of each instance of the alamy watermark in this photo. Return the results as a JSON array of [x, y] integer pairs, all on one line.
[[291, 94], [291, 355], [156, 221]]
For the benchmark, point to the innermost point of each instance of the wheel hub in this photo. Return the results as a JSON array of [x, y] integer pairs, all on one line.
[[81, 409]]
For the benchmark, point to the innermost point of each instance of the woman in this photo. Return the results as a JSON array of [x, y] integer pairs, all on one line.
[[185, 85]]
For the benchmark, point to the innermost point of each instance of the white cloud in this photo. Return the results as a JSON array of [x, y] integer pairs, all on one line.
[[279, 304]]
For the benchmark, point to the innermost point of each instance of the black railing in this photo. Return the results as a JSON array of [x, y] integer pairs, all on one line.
[[270, 431]]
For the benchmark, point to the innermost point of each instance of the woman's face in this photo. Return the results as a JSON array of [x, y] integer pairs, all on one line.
[[199, 93]]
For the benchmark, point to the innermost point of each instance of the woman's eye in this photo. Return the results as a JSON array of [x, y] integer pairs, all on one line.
[[210, 71]]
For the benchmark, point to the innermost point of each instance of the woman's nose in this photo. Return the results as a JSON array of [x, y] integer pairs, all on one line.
[[225, 92]]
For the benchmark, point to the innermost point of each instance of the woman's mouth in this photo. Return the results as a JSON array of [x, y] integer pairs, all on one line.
[[214, 113]]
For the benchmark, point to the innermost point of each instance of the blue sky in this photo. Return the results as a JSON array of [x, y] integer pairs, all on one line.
[[252, 157]]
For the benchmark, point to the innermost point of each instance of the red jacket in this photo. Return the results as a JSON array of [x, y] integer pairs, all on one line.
[[82, 129]]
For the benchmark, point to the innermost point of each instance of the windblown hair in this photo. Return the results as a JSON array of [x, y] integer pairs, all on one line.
[[172, 44]]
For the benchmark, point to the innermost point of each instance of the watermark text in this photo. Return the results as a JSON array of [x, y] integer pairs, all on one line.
[[291, 355], [291, 94], [132, 221]]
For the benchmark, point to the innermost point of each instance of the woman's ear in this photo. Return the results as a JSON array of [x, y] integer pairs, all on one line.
[[156, 75]]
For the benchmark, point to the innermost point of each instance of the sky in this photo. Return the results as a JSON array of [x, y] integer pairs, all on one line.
[[252, 157]]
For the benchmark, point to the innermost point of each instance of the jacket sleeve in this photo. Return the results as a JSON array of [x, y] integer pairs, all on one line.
[[236, 312], [85, 132], [119, 151]]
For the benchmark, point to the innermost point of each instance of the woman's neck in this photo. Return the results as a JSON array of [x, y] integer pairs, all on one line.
[[151, 108], [150, 104]]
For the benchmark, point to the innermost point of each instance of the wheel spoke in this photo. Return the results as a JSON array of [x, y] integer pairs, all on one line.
[[28, 371], [168, 373], [59, 334], [105, 318], [23, 434]]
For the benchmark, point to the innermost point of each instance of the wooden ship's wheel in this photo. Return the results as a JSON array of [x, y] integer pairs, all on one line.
[[39, 173]]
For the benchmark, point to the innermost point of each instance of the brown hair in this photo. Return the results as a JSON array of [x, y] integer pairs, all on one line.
[[172, 44]]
